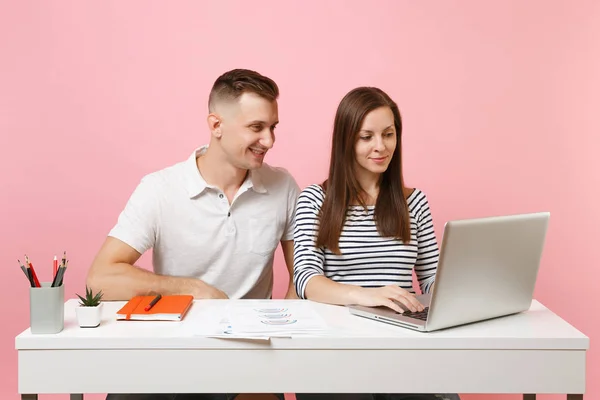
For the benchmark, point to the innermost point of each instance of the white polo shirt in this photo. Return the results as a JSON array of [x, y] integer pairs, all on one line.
[[194, 232]]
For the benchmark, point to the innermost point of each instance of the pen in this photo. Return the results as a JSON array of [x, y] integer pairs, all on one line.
[[30, 277], [26, 272], [54, 266], [36, 282], [60, 282], [153, 302], [58, 278]]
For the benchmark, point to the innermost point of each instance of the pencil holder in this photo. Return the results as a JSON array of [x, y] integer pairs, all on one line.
[[46, 308]]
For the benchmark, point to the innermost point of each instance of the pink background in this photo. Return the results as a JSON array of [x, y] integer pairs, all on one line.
[[497, 99]]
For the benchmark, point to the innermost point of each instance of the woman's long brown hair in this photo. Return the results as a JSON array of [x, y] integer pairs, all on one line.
[[342, 188]]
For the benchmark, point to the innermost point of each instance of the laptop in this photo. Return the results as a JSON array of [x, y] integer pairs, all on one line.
[[487, 269]]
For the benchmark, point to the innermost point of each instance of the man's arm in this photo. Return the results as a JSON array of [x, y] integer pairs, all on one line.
[[288, 253], [114, 272]]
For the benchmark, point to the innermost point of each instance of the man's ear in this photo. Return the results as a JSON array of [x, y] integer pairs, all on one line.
[[214, 124]]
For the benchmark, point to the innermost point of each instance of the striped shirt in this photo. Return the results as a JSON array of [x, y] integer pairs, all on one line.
[[367, 259]]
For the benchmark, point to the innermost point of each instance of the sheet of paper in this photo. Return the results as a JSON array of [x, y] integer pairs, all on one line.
[[273, 318], [262, 320]]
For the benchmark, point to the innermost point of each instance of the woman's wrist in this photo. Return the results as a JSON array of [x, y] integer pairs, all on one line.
[[353, 294]]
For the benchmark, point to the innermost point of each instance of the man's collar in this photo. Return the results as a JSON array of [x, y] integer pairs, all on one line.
[[195, 183]]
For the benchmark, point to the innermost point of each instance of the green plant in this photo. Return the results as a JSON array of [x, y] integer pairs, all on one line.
[[91, 299]]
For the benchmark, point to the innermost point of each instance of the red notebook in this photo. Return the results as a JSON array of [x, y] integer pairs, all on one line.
[[168, 308]]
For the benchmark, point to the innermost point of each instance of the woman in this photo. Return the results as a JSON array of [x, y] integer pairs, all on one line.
[[360, 234]]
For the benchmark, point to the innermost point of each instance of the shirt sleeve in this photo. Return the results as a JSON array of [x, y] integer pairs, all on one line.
[[308, 259], [428, 251], [137, 223], [293, 191]]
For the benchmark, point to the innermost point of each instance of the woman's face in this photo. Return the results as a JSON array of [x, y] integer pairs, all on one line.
[[376, 142]]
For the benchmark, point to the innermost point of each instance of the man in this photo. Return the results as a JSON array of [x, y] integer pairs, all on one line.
[[213, 221]]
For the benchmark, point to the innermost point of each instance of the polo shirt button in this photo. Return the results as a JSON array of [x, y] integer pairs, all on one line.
[[221, 195], [229, 214]]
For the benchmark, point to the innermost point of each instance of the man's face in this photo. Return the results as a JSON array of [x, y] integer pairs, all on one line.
[[248, 130]]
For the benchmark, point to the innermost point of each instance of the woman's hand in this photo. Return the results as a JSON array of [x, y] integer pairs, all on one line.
[[389, 296]]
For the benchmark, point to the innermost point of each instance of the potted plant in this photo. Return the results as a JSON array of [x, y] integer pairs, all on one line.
[[89, 311]]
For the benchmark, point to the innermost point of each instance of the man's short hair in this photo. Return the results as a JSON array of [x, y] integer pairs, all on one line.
[[232, 84]]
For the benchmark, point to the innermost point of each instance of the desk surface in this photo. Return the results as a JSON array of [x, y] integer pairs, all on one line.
[[536, 329]]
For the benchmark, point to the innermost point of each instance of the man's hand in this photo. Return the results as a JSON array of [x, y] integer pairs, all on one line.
[[389, 296], [203, 290]]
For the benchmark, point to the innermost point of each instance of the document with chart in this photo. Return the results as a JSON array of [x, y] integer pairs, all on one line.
[[273, 317], [265, 319]]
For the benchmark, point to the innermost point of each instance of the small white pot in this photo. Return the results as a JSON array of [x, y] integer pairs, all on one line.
[[89, 317]]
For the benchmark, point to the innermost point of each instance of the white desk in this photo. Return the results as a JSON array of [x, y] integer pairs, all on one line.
[[531, 352]]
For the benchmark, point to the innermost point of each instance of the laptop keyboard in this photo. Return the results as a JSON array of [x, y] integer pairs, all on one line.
[[422, 315]]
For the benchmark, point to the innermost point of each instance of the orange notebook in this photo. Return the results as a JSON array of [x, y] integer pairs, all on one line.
[[168, 308]]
